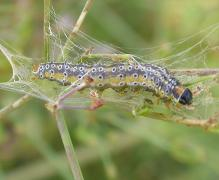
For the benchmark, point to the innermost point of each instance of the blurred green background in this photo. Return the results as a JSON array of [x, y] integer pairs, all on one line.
[[110, 142]]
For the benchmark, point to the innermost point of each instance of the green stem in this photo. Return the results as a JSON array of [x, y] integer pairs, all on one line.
[[63, 130], [46, 29], [112, 57], [11, 107], [69, 148]]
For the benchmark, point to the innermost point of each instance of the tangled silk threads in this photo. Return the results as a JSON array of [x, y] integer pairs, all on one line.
[[118, 76]]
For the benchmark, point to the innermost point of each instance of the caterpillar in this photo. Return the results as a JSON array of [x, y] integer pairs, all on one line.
[[118, 76]]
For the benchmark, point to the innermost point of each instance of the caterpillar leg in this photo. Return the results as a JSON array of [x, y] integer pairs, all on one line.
[[96, 104], [197, 91], [148, 102], [168, 105]]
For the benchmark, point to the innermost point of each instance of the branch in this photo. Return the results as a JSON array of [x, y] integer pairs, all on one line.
[[208, 124], [11, 107], [113, 57], [81, 17], [77, 26], [198, 72], [203, 123], [46, 29]]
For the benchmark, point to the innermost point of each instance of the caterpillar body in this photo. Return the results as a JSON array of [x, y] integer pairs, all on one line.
[[118, 76]]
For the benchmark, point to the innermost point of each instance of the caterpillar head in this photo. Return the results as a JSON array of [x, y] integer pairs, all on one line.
[[182, 95], [186, 97]]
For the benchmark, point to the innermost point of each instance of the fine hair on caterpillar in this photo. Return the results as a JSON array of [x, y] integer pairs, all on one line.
[[118, 76]]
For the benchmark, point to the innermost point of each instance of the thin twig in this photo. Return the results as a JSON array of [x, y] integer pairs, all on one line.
[[113, 57], [72, 91], [77, 26], [81, 17], [197, 72], [210, 123], [11, 107], [46, 29], [69, 148]]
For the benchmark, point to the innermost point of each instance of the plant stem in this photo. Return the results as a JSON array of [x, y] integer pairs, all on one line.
[[196, 72], [77, 27], [46, 29], [113, 57], [11, 107], [63, 130], [210, 123], [69, 148]]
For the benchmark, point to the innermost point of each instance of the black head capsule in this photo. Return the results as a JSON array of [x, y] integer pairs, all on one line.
[[186, 97]]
